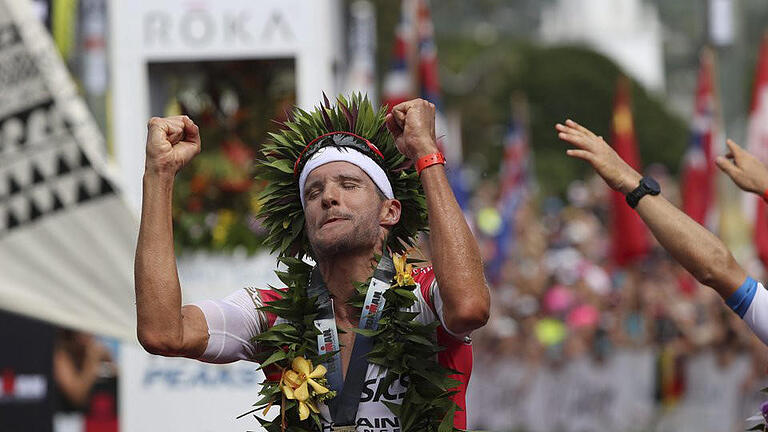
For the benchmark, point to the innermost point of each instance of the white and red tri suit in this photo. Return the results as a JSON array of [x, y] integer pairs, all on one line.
[[235, 320]]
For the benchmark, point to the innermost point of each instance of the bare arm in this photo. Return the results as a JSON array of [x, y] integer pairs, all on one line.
[[164, 326], [455, 254], [76, 383], [698, 250], [693, 246]]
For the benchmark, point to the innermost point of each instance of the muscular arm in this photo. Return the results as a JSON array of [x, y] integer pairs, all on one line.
[[693, 246], [455, 254], [164, 326]]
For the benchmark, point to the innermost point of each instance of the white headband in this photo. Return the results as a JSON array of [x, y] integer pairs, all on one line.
[[346, 154]]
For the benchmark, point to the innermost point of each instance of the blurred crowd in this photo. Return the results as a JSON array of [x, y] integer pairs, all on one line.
[[571, 329]]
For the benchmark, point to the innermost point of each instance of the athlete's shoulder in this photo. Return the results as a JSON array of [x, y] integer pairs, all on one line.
[[263, 296], [423, 275]]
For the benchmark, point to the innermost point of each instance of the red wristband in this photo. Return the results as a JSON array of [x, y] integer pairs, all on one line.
[[429, 160], [765, 196]]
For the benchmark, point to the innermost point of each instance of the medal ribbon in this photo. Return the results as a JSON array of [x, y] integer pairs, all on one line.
[[344, 406]]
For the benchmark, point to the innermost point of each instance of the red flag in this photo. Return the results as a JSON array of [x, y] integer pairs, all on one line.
[[629, 236], [698, 182], [757, 143]]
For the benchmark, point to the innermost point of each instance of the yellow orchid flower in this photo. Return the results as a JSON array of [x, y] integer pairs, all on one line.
[[294, 384], [403, 271]]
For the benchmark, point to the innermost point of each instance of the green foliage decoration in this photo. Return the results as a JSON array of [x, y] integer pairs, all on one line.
[[406, 348], [280, 207]]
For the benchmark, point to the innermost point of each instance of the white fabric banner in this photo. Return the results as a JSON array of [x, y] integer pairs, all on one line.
[[616, 394], [175, 394], [66, 236], [715, 384], [583, 395]]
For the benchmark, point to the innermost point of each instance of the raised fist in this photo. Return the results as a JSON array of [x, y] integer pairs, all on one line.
[[412, 123], [171, 143]]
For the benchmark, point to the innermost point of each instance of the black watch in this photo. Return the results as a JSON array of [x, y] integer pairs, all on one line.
[[648, 186]]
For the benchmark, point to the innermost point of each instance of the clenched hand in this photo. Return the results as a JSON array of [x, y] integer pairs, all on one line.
[[412, 124], [171, 143]]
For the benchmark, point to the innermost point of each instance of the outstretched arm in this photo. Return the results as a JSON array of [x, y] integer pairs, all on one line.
[[455, 254], [693, 246], [744, 169], [164, 326]]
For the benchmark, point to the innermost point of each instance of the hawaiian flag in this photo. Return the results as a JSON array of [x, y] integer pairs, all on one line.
[[427, 77], [399, 81], [698, 183], [629, 236], [515, 164], [757, 143], [413, 68], [429, 88], [515, 182], [427, 63]]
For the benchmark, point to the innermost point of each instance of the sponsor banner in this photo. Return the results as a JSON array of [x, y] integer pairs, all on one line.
[[159, 393], [26, 383], [170, 394], [143, 32]]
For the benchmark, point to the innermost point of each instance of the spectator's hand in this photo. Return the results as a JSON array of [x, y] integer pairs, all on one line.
[[171, 143], [593, 149], [744, 169], [412, 124]]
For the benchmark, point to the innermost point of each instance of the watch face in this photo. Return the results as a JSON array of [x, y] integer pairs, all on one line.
[[651, 184]]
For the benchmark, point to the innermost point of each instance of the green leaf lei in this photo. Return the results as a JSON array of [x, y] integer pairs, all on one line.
[[281, 213], [405, 347]]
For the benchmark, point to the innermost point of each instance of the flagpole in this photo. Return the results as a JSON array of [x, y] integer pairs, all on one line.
[[716, 222]]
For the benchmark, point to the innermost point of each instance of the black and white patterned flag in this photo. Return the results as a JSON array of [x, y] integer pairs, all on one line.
[[66, 236]]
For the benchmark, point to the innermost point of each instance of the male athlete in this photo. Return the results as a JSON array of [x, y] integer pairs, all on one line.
[[349, 208]]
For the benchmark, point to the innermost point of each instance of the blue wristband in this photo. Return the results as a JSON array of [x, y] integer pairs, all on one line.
[[742, 298]]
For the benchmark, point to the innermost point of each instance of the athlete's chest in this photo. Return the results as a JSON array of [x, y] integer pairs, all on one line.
[[346, 342], [372, 414]]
